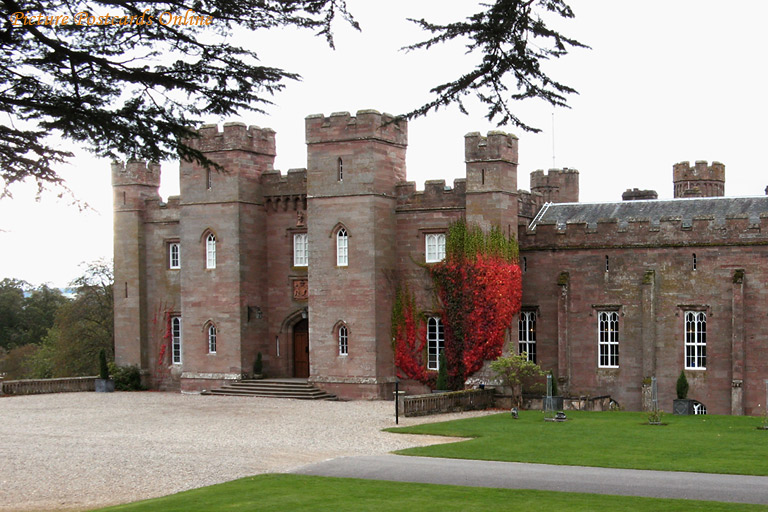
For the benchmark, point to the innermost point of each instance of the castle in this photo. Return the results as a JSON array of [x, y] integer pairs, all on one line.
[[302, 268]]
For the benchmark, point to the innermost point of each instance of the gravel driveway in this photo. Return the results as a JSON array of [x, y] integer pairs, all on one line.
[[74, 451]]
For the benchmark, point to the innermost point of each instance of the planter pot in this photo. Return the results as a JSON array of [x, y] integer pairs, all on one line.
[[682, 406], [104, 386], [552, 403]]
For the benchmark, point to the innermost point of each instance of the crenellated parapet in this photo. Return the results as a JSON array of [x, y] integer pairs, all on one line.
[[701, 230], [556, 185], [234, 137], [365, 125], [135, 173], [435, 196], [285, 192], [529, 203], [701, 180], [496, 145], [163, 211]]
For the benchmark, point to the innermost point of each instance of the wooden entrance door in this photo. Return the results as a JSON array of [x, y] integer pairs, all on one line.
[[301, 349]]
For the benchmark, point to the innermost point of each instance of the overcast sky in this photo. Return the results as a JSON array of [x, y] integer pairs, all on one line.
[[663, 83]]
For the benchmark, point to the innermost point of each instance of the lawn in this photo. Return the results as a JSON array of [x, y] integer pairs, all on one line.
[[310, 493], [706, 444]]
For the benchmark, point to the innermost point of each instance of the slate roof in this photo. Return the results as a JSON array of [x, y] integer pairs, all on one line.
[[653, 210]]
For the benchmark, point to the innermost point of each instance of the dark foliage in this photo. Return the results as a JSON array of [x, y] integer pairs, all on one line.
[[131, 85], [103, 368], [510, 40], [682, 386], [127, 378]]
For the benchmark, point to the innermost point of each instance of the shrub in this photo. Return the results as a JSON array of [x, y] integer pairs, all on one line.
[[258, 365], [682, 386], [127, 378]]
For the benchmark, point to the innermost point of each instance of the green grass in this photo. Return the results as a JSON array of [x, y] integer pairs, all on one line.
[[299, 493], [706, 444]]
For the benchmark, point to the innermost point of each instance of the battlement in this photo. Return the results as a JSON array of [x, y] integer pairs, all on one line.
[[529, 203], [234, 137], [275, 183], [701, 180], [497, 145], [699, 172], [365, 125], [135, 173], [556, 185], [667, 232], [434, 196]]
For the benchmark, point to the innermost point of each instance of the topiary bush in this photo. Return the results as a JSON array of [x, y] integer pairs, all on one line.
[[258, 365], [682, 386], [103, 368], [442, 372]]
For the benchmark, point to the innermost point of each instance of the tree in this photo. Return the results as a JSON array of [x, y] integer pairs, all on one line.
[[514, 371], [84, 326], [26, 313], [132, 79]]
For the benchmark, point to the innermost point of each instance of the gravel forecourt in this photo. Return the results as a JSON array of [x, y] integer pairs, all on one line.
[[76, 451]]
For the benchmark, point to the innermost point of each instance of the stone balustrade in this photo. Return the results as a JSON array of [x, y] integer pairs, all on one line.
[[454, 401], [39, 386]]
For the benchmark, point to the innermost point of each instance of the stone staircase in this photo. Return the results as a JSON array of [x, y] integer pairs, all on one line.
[[273, 388]]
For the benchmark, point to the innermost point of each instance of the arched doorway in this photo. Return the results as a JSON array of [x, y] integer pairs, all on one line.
[[301, 349]]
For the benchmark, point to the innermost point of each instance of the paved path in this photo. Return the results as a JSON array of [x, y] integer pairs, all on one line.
[[514, 475]]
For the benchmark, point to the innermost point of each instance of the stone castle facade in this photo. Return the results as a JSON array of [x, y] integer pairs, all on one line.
[[302, 267]]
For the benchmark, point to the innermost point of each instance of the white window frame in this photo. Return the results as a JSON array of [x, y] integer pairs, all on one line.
[[176, 339], [342, 248], [340, 170], [434, 247], [526, 335], [300, 250], [435, 342], [210, 251], [211, 332], [695, 339], [343, 336], [174, 255], [608, 339]]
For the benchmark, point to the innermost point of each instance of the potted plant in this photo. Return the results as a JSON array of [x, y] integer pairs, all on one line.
[[682, 405], [554, 402], [104, 384]]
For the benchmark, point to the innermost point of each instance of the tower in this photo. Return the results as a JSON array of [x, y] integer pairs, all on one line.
[[353, 164], [492, 180], [701, 180], [557, 185], [222, 236], [133, 183]]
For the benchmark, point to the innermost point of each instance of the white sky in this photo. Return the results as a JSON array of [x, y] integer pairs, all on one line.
[[664, 82]]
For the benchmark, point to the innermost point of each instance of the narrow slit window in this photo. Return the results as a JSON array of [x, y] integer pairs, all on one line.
[[176, 339], [342, 248], [340, 170], [210, 251], [211, 339], [343, 341], [208, 179], [607, 264], [694, 261]]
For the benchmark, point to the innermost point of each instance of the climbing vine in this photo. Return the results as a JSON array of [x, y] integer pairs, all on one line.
[[479, 288], [409, 337]]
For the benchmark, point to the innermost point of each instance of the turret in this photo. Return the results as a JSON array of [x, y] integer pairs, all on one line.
[[350, 155], [491, 179], [557, 185], [133, 183], [701, 180]]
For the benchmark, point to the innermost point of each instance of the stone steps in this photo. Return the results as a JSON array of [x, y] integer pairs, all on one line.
[[273, 388]]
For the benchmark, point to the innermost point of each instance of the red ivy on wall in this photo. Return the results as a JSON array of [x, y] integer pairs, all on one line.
[[479, 287], [409, 334]]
